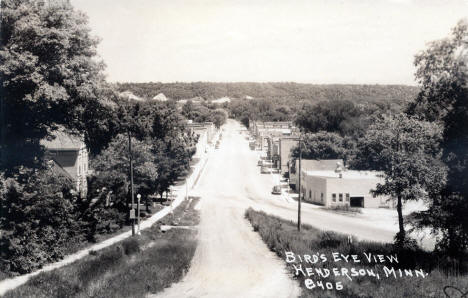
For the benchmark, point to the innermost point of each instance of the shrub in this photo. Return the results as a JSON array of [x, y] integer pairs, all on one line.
[[131, 246], [39, 217]]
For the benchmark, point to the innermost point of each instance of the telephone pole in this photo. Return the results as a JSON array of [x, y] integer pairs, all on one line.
[[132, 210], [299, 186]]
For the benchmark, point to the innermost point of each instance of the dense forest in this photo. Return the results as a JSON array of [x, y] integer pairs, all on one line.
[[284, 91]]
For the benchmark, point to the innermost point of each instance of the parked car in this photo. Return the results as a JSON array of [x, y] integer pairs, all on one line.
[[267, 163], [265, 170], [276, 190]]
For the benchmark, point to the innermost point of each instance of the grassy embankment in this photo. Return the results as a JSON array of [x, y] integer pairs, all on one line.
[[132, 268], [281, 236]]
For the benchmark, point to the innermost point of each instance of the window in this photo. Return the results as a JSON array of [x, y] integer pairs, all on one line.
[[321, 196], [340, 197], [334, 197], [310, 194], [347, 197]]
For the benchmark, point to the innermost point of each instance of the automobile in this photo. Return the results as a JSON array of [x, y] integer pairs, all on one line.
[[276, 190], [267, 163], [265, 170]]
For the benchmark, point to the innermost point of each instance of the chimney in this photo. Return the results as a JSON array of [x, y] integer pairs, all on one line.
[[339, 169]]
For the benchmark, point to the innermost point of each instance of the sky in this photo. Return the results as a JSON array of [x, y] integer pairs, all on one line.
[[306, 41]]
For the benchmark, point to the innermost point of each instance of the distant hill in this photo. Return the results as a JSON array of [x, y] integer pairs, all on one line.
[[275, 91]]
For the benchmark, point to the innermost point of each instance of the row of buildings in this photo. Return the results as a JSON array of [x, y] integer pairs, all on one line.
[[323, 182]]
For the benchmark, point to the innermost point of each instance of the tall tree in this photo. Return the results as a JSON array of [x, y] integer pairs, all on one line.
[[218, 117], [325, 145], [407, 151], [442, 73], [50, 74]]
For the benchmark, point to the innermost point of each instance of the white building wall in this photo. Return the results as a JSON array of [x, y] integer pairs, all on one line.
[[320, 190], [314, 189]]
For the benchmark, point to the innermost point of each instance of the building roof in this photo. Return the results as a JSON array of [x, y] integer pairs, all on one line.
[[56, 168], [319, 165], [345, 174], [62, 141], [197, 99], [160, 97], [128, 95], [221, 100]]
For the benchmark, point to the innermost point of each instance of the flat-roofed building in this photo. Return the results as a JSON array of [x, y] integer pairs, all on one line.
[[343, 188]]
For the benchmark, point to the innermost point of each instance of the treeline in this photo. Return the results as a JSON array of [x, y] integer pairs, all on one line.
[[52, 81], [287, 91]]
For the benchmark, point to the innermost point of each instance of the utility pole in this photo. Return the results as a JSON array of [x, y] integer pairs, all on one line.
[[132, 210], [299, 185], [186, 180], [138, 208]]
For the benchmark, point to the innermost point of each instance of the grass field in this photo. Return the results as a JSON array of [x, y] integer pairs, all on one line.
[[132, 268], [282, 237]]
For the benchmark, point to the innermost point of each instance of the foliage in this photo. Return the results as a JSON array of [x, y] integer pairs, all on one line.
[[161, 148], [407, 151], [442, 71], [288, 93], [39, 217], [134, 267], [50, 75], [340, 116], [325, 145], [219, 117], [204, 113], [260, 110], [114, 161], [282, 236]]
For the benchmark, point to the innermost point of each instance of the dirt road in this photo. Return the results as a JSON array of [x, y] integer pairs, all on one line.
[[231, 260]]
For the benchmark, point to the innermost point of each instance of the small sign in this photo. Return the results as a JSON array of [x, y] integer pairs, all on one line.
[[132, 214]]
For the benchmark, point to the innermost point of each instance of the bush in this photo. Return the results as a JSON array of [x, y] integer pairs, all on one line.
[[345, 208], [39, 217], [131, 246]]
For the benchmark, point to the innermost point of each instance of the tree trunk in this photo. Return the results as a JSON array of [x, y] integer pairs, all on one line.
[[401, 234]]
